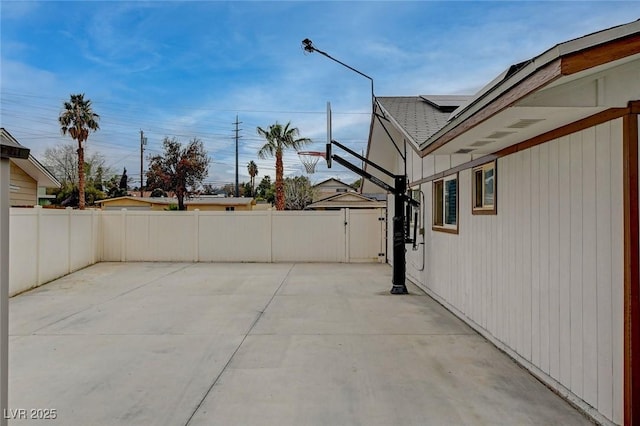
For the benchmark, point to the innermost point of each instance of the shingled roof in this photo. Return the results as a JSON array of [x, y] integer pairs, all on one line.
[[421, 116]]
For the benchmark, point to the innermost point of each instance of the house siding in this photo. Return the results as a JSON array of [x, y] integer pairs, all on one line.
[[27, 194], [544, 276]]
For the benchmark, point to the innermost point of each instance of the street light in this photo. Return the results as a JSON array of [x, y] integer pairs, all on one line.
[[307, 46]]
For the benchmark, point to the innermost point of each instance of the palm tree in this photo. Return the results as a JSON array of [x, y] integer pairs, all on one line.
[[252, 168], [278, 139], [78, 119]]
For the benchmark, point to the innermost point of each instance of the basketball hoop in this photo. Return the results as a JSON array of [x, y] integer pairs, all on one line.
[[309, 159]]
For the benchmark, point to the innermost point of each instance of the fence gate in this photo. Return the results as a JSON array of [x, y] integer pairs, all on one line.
[[366, 232]]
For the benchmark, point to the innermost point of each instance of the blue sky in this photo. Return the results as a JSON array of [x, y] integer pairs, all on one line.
[[186, 69]]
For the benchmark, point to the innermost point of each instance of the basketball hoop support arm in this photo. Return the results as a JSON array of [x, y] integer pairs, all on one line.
[[400, 198], [398, 190]]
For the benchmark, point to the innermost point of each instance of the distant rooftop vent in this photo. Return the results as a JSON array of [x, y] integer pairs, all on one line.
[[498, 135], [524, 123], [464, 150]]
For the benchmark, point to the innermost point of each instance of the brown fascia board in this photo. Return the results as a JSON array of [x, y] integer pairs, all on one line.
[[600, 55], [563, 59], [501, 95]]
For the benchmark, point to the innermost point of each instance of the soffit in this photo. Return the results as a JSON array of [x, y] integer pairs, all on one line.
[[34, 169], [566, 100]]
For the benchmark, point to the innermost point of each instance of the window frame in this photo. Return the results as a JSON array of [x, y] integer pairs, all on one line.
[[439, 199], [484, 209]]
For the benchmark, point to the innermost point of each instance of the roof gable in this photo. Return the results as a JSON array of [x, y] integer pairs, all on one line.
[[331, 183], [346, 200], [347, 196]]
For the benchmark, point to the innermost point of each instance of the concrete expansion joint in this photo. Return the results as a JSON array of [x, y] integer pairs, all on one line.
[[215, 381]]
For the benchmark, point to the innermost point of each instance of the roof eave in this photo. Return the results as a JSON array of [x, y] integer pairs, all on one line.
[[563, 59], [10, 147]]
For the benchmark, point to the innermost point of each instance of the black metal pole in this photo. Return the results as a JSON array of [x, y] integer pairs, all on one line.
[[399, 257]]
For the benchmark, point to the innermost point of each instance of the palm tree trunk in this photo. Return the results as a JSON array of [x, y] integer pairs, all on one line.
[[279, 181], [80, 176]]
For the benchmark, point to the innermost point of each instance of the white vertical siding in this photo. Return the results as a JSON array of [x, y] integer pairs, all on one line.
[[544, 275], [554, 259], [535, 255], [603, 273], [575, 291], [544, 248], [589, 349], [617, 267], [564, 281], [415, 162]]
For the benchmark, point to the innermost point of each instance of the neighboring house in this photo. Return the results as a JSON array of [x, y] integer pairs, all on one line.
[[29, 179], [529, 213], [329, 188], [161, 203], [347, 200]]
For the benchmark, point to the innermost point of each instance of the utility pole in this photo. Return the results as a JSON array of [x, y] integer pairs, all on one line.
[[237, 193], [143, 142]]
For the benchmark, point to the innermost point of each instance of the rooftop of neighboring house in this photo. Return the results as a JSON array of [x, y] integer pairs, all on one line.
[[26, 161], [222, 201], [347, 200]]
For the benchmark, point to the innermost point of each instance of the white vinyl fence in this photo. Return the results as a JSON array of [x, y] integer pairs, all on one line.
[[46, 244], [256, 236]]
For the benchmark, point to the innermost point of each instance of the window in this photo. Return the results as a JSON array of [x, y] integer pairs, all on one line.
[[229, 209], [445, 204], [484, 189]]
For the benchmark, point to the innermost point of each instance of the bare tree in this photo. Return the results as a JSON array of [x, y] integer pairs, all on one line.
[[298, 193], [62, 161]]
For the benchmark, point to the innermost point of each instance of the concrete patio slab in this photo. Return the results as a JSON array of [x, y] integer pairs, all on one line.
[[268, 344]]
